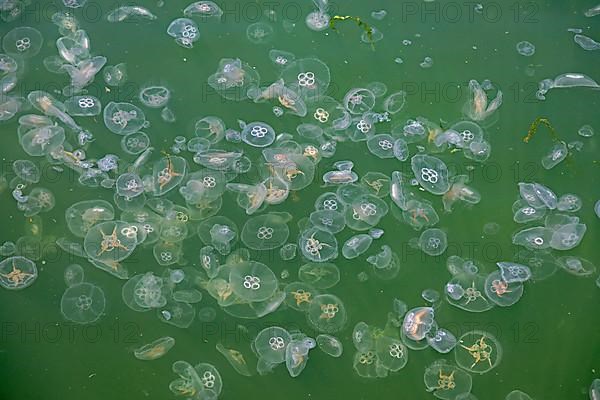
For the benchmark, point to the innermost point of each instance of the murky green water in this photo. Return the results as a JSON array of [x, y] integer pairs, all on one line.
[[551, 337]]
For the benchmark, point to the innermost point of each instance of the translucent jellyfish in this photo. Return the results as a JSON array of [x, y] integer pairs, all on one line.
[[557, 153], [10, 106], [356, 245], [377, 182], [524, 213], [253, 281], [569, 202], [135, 143], [395, 102], [270, 344], [468, 132], [541, 263], [17, 272], [110, 241], [258, 134], [479, 108], [185, 31], [568, 236], [392, 354], [74, 3], [513, 272], [288, 251], [317, 20], [83, 303], [433, 241], [431, 173], [586, 131], [204, 10], [149, 291], [365, 212], [459, 191], [309, 77], [155, 96], [327, 113], [129, 185], [317, 245], [154, 350], [115, 75], [519, 395], [412, 131], [319, 275], [586, 42], [478, 352], [466, 291], [379, 89], [236, 359], [233, 79], [359, 100], [330, 345], [535, 238], [299, 295], [82, 73], [26, 171], [326, 313], [281, 58], [576, 265], [259, 33], [83, 106], [73, 274], [382, 145], [81, 216], [595, 389], [177, 314], [296, 357], [442, 340], [7, 248], [328, 220], [500, 291], [446, 381], [567, 80], [266, 232], [426, 63], [168, 173], [418, 322], [130, 13], [343, 174], [366, 364], [23, 41], [525, 48], [41, 141], [123, 118], [210, 128]]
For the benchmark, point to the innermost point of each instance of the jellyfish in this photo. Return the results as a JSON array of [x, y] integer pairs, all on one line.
[[27, 171], [501, 292], [356, 245], [233, 79], [10, 106], [81, 216], [326, 313], [110, 241], [319, 275], [83, 106], [135, 143], [513, 272], [569, 202], [330, 345], [557, 153], [7, 248], [259, 33], [258, 134], [441, 340], [82, 73], [431, 173], [42, 141], [524, 213], [74, 47], [17, 272], [253, 281], [317, 245], [83, 303], [168, 173], [73, 274], [266, 232], [23, 41], [478, 352], [154, 350], [466, 291], [281, 58], [123, 118], [365, 212], [418, 322], [343, 174], [525, 48], [382, 146], [270, 344], [123, 13], [459, 191], [433, 241], [177, 314], [576, 265], [154, 96], [446, 381], [210, 128], [567, 236], [299, 295], [204, 10], [595, 389], [478, 108], [391, 353], [235, 359], [185, 31], [309, 77], [535, 238]]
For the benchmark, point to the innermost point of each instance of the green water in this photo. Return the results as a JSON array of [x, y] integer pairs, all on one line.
[[551, 337]]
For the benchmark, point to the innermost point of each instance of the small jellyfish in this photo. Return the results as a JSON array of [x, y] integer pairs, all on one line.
[[296, 357], [359, 100], [259, 33], [567, 236], [569, 202], [130, 13], [519, 395], [326, 313], [258, 134], [308, 77], [204, 10], [73, 274], [177, 314], [111, 241], [535, 238], [431, 173], [459, 191], [265, 232], [123, 118], [478, 352], [83, 106], [500, 291], [513, 272], [586, 131], [83, 303], [446, 381], [525, 48], [391, 353], [27, 171], [426, 63], [356, 245], [23, 41], [288, 251], [17, 272], [433, 241], [115, 75], [442, 340], [317, 245], [235, 358], [155, 96], [330, 345], [319, 275], [557, 153], [317, 20], [418, 322], [281, 58], [576, 265], [395, 102], [479, 108], [233, 79], [270, 344], [154, 350], [253, 281], [185, 31]]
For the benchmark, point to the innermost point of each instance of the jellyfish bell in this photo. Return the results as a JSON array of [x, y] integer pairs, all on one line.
[[479, 107], [392, 354], [513, 272], [17, 272], [258, 134], [233, 79], [501, 292], [259, 33], [270, 344], [155, 349], [154, 96], [265, 232], [203, 10], [478, 352], [433, 241], [309, 77], [24, 41], [535, 238], [418, 322], [83, 106], [317, 245], [327, 313], [576, 265], [83, 303], [446, 381], [466, 291], [110, 241], [253, 281], [185, 31], [123, 118], [319, 275], [431, 173]]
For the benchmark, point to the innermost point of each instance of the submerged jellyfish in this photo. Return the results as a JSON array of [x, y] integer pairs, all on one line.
[[185, 31], [330, 345], [27, 171], [576, 265], [81, 216], [259, 33], [356, 245], [478, 352], [74, 274], [270, 344], [519, 395], [433, 241], [501, 292], [266, 232], [110, 242], [83, 106], [326, 313], [296, 356], [418, 322], [235, 359], [359, 101], [525, 48], [253, 281], [309, 77], [317, 245], [258, 134], [466, 291], [319, 275], [431, 173], [205, 10], [23, 41], [130, 12], [446, 381], [123, 118], [567, 236], [479, 108], [82, 303], [17, 272], [557, 153], [233, 79], [155, 96], [154, 350], [459, 191]]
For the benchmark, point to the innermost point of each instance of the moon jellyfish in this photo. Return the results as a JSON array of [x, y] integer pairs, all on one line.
[[326, 313], [154, 350], [418, 322], [281, 58], [270, 344], [365, 212], [299, 295], [259, 33], [81, 216], [446, 381], [110, 241], [524, 213], [567, 80], [513, 272], [359, 101], [586, 43], [441, 340], [330, 345], [235, 359], [356, 245], [501, 292], [391, 353], [518, 395], [130, 13], [73, 274], [123, 118], [569, 202], [154, 96], [466, 291], [168, 173], [525, 48], [42, 141], [185, 31], [433, 242], [317, 20], [135, 143], [309, 77], [479, 108], [395, 102], [459, 191], [426, 63], [258, 134], [366, 364], [382, 146], [328, 220], [567, 236], [535, 238], [586, 131], [557, 153], [319, 275], [204, 10], [233, 79], [7, 248], [23, 41], [431, 173], [317, 245], [595, 388], [83, 106], [253, 281], [177, 314], [202, 381], [266, 232], [296, 357], [17, 272], [478, 352], [82, 303], [27, 171], [576, 265]]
